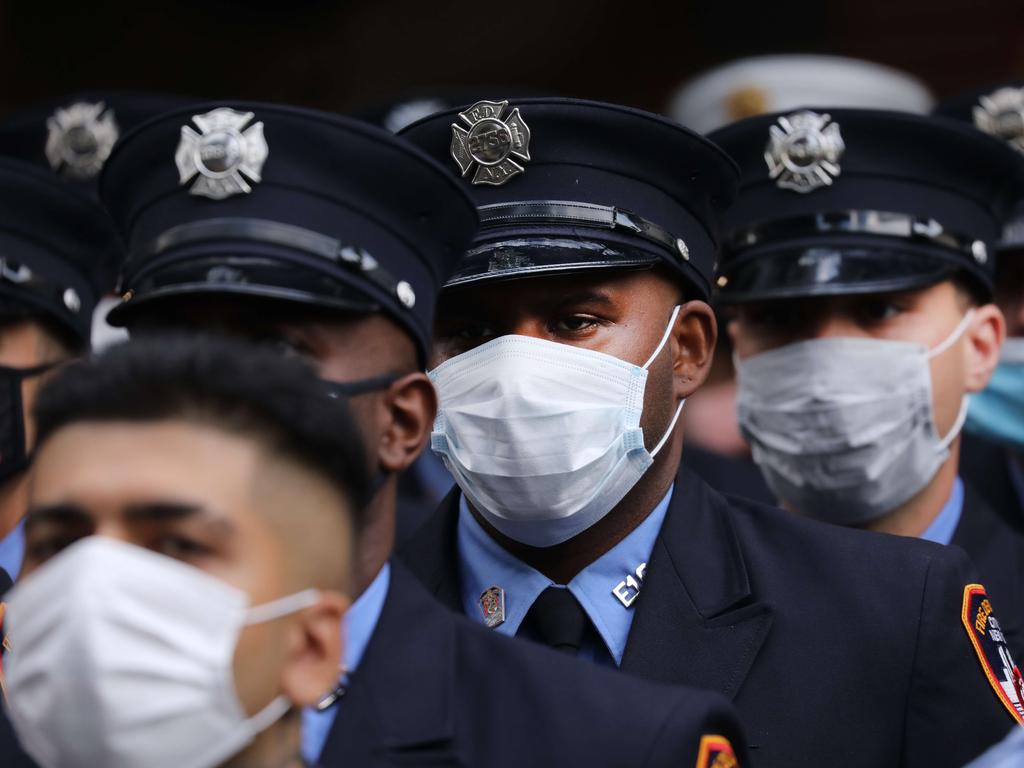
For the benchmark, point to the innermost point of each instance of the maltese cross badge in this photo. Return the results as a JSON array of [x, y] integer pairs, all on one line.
[[803, 151], [1001, 114], [491, 142], [225, 158], [79, 139]]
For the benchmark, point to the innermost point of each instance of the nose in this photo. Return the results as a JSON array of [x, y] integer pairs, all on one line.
[[526, 326]]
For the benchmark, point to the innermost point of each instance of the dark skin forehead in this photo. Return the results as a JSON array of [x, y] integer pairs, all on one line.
[[617, 312], [346, 345]]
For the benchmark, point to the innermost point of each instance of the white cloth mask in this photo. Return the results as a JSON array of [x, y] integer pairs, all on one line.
[[121, 657], [543, 438], [843, 428]]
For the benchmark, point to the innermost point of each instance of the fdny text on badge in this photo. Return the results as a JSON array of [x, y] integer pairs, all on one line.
[[491, 142]]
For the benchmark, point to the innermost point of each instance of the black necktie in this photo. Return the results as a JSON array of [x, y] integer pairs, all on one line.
[[556, 619]]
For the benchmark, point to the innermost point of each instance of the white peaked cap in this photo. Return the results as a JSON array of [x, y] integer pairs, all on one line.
[[777, 83]]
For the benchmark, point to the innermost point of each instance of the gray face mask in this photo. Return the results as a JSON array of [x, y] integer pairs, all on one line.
[[843, 428]]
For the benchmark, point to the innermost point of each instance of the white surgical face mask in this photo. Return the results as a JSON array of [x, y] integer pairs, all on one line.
[[843, 428], [544, 439], [122, 658]]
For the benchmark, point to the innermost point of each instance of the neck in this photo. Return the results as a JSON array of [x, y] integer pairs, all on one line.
[[914, 517], [13, 502], [276, 747], [377, 538], [562, 562]]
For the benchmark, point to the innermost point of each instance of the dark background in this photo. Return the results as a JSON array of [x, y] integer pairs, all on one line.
[[343, 55]]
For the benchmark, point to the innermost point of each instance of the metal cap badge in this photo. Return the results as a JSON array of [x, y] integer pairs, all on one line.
[[1001, 114], [803, 151], [491, 142], [225, 158], [80, 138]]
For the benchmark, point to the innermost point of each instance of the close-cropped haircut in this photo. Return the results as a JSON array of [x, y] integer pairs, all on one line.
[[241, 388]]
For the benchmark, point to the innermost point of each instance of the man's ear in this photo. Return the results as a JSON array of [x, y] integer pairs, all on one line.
[[314, 656], [407, 418], [693, 346], [984, 337]]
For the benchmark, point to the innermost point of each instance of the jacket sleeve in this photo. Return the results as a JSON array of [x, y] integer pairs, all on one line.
[[701, 729], [957, 707]]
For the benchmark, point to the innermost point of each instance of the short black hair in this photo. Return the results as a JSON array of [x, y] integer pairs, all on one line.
[[240, 387]]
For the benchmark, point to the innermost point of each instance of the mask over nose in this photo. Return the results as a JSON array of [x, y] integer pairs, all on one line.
[[121, 657], [543, 438], [843, 428], [997, 413]]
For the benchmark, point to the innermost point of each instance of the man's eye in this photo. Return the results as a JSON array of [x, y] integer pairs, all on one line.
[[778, 318], [291, 348], [42, 549], [180, 547], [474, 331], [879, 311], [576, 323]]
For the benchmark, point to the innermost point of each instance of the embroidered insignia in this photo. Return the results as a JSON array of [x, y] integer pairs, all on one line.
[[990, 646], [225, 158], [492, 604], [716, 752], [491, 142], [803, 151], [80, 138], [1001, 114]]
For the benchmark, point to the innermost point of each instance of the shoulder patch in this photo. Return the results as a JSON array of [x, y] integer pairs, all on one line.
[[990, 646], [716, 752]]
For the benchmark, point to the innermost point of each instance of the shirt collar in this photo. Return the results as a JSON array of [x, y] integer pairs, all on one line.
[[605, 589], [12, 550], [358, 625], [361, 619], [944, 525]]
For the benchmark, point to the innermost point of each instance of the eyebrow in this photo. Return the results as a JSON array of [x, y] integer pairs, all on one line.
[[177, 510], [57, 513], [585, 297], [71, 513]]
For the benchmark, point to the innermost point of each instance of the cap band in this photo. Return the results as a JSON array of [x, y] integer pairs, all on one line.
[[585, 214], [39, 285], [882, 223], [277, 233]]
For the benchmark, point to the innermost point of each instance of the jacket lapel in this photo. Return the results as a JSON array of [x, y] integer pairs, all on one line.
[[697, 622], [432, 553], [400, 704]]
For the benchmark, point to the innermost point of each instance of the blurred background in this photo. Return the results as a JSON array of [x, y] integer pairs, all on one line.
[[347, 55]]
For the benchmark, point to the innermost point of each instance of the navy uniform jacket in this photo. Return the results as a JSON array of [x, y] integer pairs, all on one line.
[[839, 647], [997, 551], [728, 474], [11, 755], [986, 466], [434, 690]]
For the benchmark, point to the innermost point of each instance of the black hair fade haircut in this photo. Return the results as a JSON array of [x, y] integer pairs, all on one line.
[[242, 388]]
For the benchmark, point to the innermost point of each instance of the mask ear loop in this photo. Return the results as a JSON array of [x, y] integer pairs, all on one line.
[[672, 426], [954, 337], [957, 425], [950, 340], [283, 606], [664, 338], [679, 408]]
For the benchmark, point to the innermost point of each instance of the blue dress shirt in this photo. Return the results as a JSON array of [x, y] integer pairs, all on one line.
[[944, 526], [1009, 753], [359, 623], [12, 550], [605, 589]]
